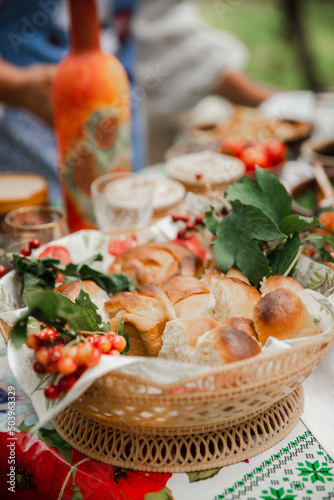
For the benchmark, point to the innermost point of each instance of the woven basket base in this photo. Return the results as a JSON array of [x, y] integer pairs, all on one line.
[[191, 452]]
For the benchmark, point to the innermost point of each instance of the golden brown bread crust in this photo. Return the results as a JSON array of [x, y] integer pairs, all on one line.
[[244, 324], [223, 345], [275, 282], [197, 326], [156, 262], [72, 288], [181, 287], [145, 312], [235, 273], [283, 315], [190, 297]]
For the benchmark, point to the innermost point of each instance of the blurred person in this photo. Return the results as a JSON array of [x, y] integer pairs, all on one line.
[[171, 57]]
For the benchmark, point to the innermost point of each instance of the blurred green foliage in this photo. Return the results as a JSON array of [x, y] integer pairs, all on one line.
[[262, 26]]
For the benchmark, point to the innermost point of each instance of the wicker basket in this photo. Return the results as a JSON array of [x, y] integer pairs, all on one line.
[[223, 396], [180, 453], [223, 417]]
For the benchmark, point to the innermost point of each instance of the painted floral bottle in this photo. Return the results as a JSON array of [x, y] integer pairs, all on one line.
[[91, 95]]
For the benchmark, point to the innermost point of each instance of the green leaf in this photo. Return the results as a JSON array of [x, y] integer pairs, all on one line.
[[18, 333], [234, 242], [268, 194], [112, 283], [85, 316], [42, 273], [164, 494], [120, 331], [282, 258], [211, 220], [203, 474], [120, 327], [44, 306], [293, 223]]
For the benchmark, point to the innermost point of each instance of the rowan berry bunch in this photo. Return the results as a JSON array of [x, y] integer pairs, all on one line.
[[54, 356], [189, 225], [25, 251]]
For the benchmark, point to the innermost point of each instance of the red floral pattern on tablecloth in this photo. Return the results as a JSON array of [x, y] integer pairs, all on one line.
[[40, 470], [42, 473], [113, 483]]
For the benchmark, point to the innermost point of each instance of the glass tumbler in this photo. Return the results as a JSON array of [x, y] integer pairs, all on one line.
[[43, 222], [122, 199]]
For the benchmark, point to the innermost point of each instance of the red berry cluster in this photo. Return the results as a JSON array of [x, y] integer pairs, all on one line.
[[26, 249], [190, 225], [54, 356]]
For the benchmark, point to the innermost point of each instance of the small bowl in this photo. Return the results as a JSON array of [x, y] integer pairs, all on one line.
[[317, 149], [308, 186]]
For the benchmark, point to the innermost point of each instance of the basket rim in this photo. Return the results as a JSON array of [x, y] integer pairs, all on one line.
[[319, 339]]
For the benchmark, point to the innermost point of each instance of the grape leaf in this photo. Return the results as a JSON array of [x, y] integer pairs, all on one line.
[[281, 259], [211, 220], [268, 194], [295, 223], [237, 241]]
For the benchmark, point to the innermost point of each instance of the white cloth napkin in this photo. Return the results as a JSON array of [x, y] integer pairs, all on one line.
[[318, 413]]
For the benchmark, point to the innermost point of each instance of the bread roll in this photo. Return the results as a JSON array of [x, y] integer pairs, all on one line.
[[180, 337], [283, 315], [97, 295], [223, 345], [243, 324], [235, 273], [275, 282], [211, 275], [156, 262], [234, 298], [190, 297], [145, 312]]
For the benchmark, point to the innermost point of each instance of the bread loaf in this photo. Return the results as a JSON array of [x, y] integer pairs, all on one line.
[[180, 337], [223, 345], [156, 262], [283, 315], [145, 312], [234, 298], [190, 297]]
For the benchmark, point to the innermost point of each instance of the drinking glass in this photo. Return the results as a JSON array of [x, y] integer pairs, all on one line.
[[43, 222], [122, 199]]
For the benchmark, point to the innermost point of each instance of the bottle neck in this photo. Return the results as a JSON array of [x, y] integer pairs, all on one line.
[[85, 26]]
